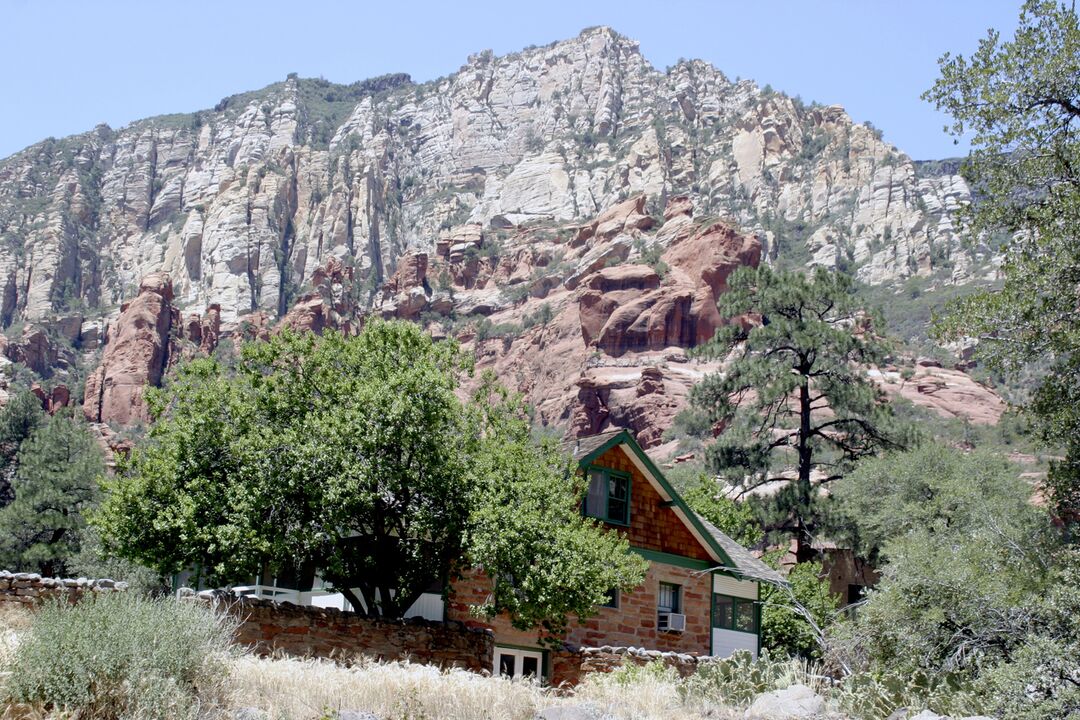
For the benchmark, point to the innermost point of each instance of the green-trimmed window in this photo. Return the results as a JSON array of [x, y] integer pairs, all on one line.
[[608, 496], [733, 613]]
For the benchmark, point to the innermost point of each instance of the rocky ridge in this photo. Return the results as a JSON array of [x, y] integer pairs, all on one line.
[[242, 203], [591, 322]]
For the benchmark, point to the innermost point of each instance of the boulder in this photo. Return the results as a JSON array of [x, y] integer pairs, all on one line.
[[791, 703]]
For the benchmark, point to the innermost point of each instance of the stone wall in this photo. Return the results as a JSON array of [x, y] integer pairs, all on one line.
[[30, 589], [269, 627], [570, 666]]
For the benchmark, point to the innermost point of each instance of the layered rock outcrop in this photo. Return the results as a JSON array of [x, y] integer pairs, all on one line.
[[136, 355], [241, 203]]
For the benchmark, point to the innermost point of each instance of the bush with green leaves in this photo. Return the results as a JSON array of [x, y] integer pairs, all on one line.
[[796, 619], [121, 655]]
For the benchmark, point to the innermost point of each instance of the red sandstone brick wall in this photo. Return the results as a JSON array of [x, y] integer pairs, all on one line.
[[270, 627], [633, 624]]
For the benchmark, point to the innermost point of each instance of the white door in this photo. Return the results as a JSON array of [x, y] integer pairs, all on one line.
[[513, 662]]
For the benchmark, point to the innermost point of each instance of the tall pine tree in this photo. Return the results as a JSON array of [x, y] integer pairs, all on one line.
[[54, 483], [794, 404]]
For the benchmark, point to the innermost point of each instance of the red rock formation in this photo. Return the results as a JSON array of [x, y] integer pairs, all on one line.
[[407, 292], [949, 393], [52, 400], [626, 308], [34, 349], [136, 355], [627, 215], [330, 305]]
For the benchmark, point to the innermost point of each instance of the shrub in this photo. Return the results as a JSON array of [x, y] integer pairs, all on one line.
[[735, 680], [122, 655]]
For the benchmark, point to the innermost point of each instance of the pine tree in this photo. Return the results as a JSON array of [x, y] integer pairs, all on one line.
[[55, 482], [19, 418], [794, 403]]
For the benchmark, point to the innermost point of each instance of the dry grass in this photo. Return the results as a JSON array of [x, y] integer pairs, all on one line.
[[313, 689], [303, 689]]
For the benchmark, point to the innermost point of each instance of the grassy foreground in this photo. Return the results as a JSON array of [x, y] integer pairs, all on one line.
[[120, 656]]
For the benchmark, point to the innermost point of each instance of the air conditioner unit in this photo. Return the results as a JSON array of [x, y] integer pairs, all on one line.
[[671, 622]]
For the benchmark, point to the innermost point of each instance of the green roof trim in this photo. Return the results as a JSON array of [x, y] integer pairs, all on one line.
[[623, 437], [737, 561], [669, 559]]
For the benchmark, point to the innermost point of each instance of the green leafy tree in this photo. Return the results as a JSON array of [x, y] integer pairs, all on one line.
[[795, 393], [55, 483], [527, 530], [795, 620], [18, 419], [1042, 678], [1019, 101], [354, 456], [736, 519], [966, 555]]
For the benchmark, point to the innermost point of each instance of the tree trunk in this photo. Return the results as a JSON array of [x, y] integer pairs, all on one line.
[[804, 537], [357, 606]]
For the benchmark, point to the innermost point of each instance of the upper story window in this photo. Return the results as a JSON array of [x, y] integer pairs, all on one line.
[[608, 497]]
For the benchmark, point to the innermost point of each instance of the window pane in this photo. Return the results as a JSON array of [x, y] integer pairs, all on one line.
[[506, 664], [744, 616], [618, 499], [668, 598], [723, 611], [612, 598], [594, 500], [530, 666], [616, 510]]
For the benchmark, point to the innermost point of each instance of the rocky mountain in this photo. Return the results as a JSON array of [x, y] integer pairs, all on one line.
[[571, 210]]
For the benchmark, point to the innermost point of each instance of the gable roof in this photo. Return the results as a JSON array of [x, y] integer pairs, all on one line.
[[733, 557]]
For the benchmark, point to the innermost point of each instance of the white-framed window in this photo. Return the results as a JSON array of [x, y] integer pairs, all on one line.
[[669, 598], [669, 617], [518, 662]]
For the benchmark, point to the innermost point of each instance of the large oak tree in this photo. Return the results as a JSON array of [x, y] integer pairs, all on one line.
[[357, 456]]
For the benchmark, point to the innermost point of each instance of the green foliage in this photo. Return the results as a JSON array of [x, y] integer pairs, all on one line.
[[18, 420], [737, 679], [528, 532], [785, 630], [735, 519], [351, 455], [880, 696], [967, 553], [794, 393], [121, 655], [936, 490], [55, 483], [1042, 679], [542, 317], [650, 255], [486, 330], [92, 561], [1019, 101]]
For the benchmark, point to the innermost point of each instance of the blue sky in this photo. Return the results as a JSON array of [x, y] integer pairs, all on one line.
[[68, 65]]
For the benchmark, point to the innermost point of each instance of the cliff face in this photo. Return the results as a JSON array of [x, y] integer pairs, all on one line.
[[571, 212], [240, 204]]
